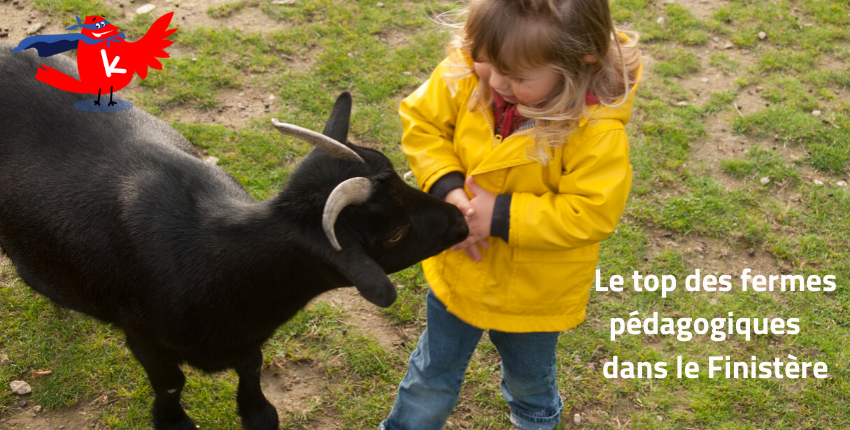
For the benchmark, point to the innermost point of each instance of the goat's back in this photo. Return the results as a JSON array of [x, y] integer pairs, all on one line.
[[81, 193]]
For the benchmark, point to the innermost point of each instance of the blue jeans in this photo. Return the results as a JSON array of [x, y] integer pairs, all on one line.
[[430, 389]]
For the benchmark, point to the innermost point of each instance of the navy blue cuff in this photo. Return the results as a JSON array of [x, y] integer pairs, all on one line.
[[445, 184], [501, 224]]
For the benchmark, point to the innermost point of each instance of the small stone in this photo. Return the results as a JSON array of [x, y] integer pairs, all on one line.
[[406, 73], [762, 35], [20, 387], [660, 21], [400, 287], [577, 419], [211, 160], [704, 80], [145, 9], [660, 418], [283, 2], [36, 409], [22, 404], [728, 45], [716, 39], [379, 4], [765, 180], [271, 96], [194, 59], [818, 182], [837, 184], [408, 175], [33, 29], [4, 360], [816, 113], [682, 104], [751, 252]]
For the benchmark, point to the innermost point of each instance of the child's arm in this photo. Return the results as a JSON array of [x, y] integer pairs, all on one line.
[[589, 201], [428, 119]]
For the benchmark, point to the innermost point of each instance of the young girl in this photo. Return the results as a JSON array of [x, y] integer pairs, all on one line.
[[521, 127]]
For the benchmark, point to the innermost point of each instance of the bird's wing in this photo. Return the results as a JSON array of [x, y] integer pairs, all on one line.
[[145, 51], [50, 44]]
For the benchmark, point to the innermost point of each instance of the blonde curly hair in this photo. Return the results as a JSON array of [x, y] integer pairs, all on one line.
[[518, 35]]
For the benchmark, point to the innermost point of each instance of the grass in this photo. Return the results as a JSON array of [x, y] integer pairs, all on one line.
[[686, 212]]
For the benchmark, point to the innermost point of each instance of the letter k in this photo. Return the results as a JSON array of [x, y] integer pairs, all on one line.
[[110, 68]]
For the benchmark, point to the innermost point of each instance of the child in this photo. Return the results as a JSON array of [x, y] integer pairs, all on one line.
[[529, 107]]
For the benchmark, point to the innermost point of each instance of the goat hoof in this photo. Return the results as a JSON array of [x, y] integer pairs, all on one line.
[[185, 424], [264, 418], [178, 421]]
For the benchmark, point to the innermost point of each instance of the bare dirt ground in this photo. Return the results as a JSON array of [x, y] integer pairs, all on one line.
[[295, 388]]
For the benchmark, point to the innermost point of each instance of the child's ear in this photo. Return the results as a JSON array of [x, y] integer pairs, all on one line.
[[588, 59]]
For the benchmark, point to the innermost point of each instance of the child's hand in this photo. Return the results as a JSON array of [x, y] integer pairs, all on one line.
[[479, 216]]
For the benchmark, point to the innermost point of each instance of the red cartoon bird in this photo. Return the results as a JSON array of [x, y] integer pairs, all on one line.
[[106, 61]]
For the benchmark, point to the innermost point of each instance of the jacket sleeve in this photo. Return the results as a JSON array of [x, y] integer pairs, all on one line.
[[591, 197], [428, 118]]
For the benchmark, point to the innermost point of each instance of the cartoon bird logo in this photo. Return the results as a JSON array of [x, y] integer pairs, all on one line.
[[105, 60]]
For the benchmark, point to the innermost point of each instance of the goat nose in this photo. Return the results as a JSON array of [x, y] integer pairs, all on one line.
[[458, 230]]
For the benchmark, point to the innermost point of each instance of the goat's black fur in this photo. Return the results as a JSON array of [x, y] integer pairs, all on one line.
[[114, 215]]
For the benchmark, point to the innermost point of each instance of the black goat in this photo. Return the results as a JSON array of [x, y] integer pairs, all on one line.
[[113, 215]]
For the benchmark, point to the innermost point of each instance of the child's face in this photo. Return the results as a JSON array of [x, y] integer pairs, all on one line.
[[530, 87]]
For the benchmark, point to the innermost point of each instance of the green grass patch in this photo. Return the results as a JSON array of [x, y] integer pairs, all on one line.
[[675, 62], [760, 163], [827, 141], [225, 10]]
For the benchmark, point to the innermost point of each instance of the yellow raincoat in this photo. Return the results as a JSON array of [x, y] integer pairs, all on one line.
[[540, 279]]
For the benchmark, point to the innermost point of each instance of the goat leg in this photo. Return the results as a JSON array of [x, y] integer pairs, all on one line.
[[167, 381], [256, 412]]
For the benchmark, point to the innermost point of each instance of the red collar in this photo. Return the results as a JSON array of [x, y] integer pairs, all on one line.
[[510, 117]]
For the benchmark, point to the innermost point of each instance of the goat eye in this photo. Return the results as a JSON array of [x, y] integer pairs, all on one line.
[[400, 232]]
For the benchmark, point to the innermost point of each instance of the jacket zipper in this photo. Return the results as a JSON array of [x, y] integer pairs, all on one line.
[[497, 138]]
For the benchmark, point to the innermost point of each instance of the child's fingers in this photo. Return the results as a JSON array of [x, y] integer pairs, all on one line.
[[474, 188], [473, 253], [484, 244]]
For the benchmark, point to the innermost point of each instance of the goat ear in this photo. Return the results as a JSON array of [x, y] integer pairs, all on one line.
[[337, 126], [369, 278]]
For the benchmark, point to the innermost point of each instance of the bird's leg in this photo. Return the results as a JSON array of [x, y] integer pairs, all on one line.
[[111, 103], [97, 102]]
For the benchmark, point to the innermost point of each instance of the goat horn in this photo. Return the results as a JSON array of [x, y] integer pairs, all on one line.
[[324, 143], [352, 191]]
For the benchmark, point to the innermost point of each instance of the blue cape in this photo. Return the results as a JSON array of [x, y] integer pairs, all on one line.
[[52, 44]]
